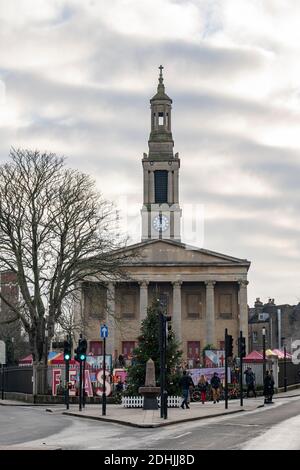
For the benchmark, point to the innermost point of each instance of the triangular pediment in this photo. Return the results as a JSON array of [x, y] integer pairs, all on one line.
[[172, 252]]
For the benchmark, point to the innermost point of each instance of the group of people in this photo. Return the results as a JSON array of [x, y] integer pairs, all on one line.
[[268, 384], [187, 385]]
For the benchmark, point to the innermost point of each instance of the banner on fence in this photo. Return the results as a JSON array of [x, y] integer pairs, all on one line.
[[93, 382], [208, 372], [96, 362], [214, 358]]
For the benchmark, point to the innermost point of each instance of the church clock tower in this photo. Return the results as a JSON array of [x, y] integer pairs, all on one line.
[[161, 213]]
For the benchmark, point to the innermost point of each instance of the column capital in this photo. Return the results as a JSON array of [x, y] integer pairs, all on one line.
[[177, 284], [243, 283], [109, 284], [143, 284], [210, 284]]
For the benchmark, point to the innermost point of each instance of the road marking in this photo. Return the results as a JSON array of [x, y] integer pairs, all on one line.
[[243, 425], [181, 435]]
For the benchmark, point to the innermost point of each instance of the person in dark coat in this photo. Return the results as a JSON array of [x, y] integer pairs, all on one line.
[[185, 382], [216, 386], [250, 381], [268, 387], [119, 386]]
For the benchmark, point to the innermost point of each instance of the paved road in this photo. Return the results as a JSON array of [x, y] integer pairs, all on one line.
[[262, 428]]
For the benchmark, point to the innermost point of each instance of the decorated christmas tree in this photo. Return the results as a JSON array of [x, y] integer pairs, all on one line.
[[148, 347]]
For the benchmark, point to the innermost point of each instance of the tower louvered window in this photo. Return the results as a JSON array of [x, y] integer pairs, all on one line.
[[161, 186]]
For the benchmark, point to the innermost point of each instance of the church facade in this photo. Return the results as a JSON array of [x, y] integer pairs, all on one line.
[[204, 292]]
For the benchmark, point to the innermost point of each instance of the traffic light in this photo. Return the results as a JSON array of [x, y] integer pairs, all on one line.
[[242, 347], [229, 346], [67, 350], [80, 351]]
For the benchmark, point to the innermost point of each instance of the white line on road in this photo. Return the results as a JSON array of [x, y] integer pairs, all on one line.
[[181, 435], [243, 425]]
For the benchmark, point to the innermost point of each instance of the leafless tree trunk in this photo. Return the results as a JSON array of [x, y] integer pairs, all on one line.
[[56, 231]]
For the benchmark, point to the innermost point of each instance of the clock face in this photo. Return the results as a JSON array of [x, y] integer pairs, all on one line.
[[161, 223]]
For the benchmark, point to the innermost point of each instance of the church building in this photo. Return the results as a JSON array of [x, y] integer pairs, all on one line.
[[204, 292]]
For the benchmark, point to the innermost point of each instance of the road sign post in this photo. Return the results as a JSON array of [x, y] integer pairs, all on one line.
[[104, 335]]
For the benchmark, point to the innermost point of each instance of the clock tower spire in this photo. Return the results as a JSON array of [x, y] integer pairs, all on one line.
[[161, 212]]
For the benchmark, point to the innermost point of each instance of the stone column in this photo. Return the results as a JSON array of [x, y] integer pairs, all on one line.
[[176, 186], [176, 319], [210, 313], [151, 188], [243, 310], [170, 187], [146, 186], [111, 312], [143, 299]]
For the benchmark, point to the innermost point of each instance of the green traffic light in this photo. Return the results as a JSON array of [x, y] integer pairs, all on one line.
[[82, 357], [67, 357]]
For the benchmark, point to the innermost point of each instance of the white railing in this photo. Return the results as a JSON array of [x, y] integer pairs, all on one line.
[[138, 402], [133, 402]]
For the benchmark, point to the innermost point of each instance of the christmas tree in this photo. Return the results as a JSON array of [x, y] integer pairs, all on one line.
[[148, 347]]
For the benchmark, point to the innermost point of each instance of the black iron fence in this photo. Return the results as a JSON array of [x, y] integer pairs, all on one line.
[[292, 373], [21, 379], [16, 379]]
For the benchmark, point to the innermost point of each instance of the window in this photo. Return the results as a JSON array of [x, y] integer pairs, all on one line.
[[96, 348], [254, 336], [161, 186], [225, 306], [160, 119], [193, 306], [193, 351], [128, 305], [127, 349]]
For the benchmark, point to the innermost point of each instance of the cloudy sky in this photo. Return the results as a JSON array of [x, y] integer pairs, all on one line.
[[76, 77]]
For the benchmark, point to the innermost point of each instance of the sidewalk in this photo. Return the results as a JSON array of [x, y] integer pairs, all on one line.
[[18, 403], [287, 394], [137, 417]]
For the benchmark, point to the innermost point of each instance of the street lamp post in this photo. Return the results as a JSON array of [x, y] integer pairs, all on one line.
[[284, 366], [264, 352]]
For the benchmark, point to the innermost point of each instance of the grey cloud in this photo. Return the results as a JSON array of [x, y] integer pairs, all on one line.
[[102, 126]]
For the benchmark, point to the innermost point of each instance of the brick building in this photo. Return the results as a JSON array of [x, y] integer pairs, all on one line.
[[282, 324]]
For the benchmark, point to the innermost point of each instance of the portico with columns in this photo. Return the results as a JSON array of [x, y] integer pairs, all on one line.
[[204, 291]]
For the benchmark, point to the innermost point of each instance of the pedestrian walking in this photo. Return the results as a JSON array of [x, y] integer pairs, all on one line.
[[119, 386], [203, 386], [268, 387], [216, 385], [185, 382], [250, 381]]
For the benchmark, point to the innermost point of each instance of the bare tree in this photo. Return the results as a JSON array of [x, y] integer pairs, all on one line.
[[56, 230]]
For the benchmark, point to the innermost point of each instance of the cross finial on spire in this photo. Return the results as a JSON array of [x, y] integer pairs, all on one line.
[[160, 74]]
